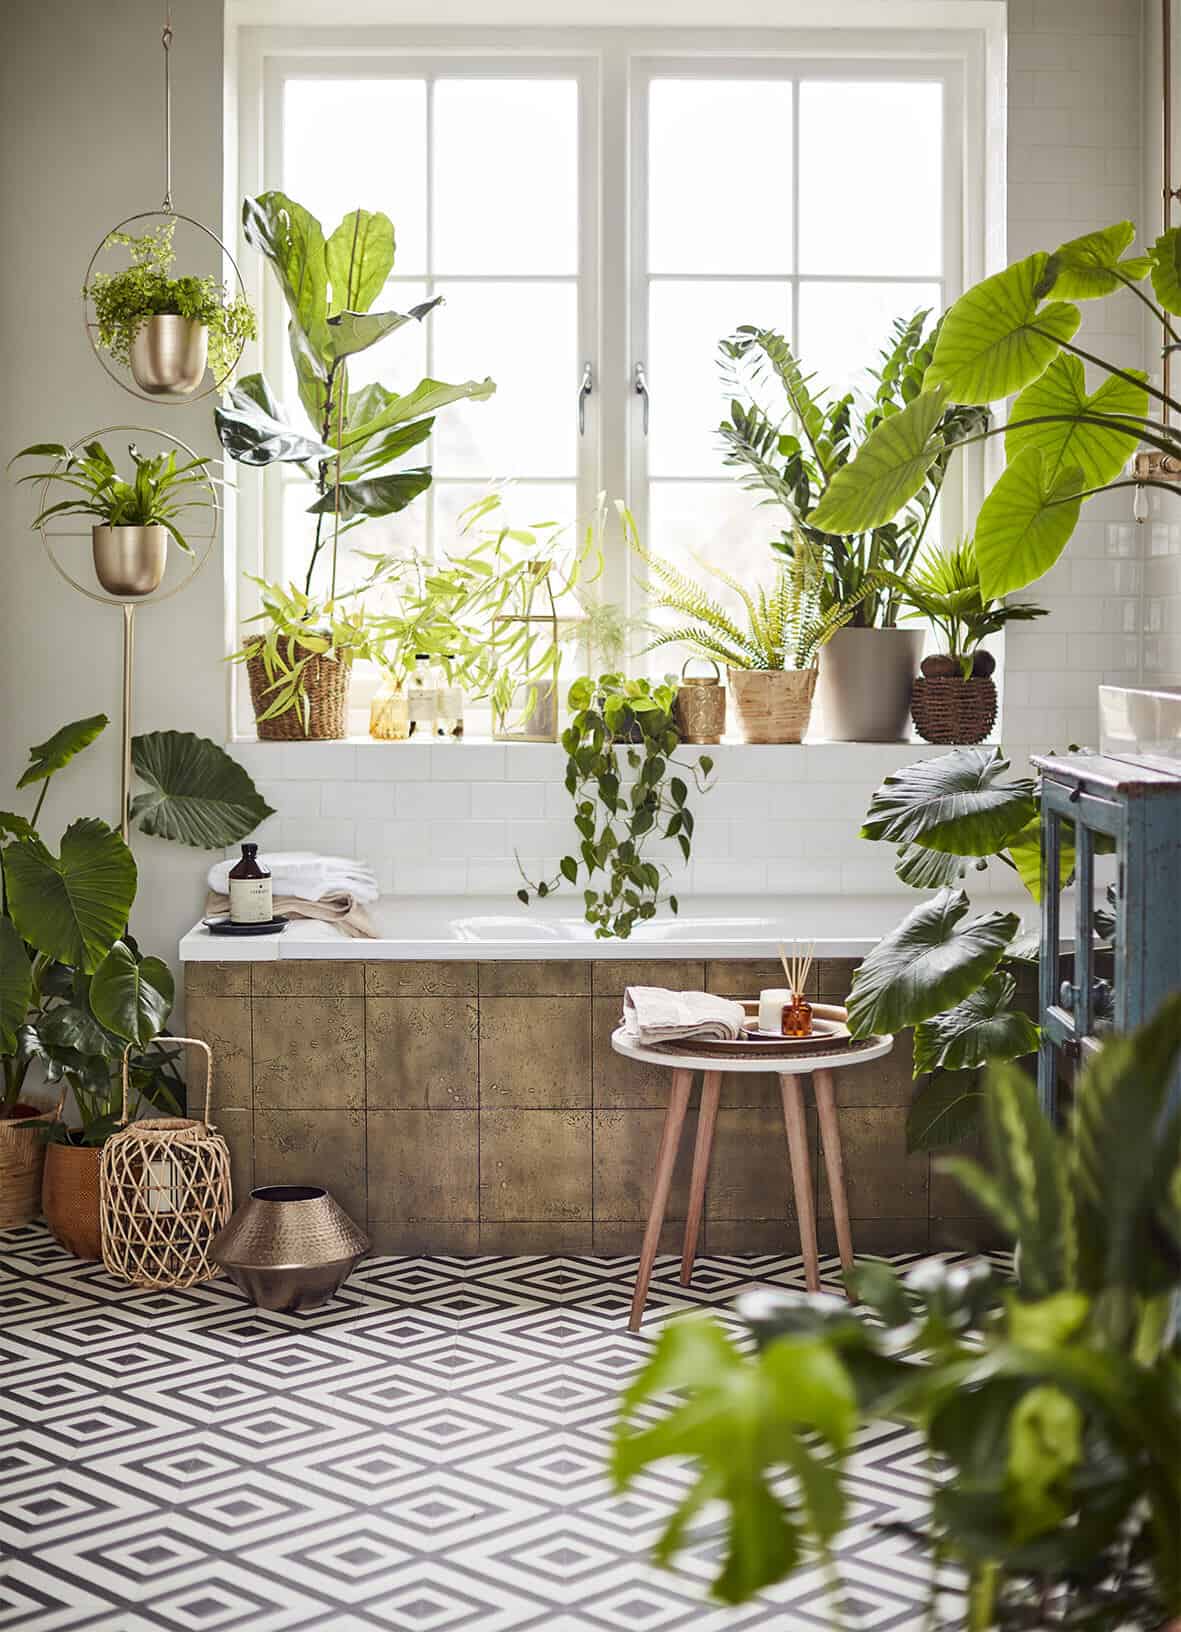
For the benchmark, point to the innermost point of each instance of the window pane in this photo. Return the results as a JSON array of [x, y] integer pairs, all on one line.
[[720, 175], [506, 175], [686, 321], [844, 327], [403, 534], [527, 505], [383, 124], [525, 336], [871, 178]]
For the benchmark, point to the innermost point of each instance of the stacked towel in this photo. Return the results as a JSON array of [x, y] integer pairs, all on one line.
[[652, 1015], [337, 907], [306, 876]]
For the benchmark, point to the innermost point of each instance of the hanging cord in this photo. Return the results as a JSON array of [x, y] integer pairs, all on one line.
[[166, 42]]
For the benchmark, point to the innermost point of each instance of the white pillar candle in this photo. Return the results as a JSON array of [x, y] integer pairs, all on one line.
[[160, 1185], [771, 1006]]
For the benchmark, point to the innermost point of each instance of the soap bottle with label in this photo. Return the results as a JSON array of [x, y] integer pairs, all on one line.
[[251, 901], [422, 696], [449, 720]]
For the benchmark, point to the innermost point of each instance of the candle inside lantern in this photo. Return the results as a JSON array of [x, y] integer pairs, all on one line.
[[160, 1185], [772, 1003]]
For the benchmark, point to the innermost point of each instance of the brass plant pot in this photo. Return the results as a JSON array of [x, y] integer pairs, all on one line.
[[130, 560], [168, 355], [290, 1247], [70, 1198]]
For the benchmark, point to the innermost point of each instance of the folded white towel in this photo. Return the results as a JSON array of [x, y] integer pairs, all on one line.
[[304, 874], [653, 1015]]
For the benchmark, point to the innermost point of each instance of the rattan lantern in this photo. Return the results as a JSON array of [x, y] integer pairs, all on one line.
[[164, 1192]]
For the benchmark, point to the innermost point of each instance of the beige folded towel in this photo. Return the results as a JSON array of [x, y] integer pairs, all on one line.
[[653, 1015], [338, 907]]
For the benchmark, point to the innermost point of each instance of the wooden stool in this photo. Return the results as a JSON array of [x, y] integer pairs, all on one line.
[[790, 1069]]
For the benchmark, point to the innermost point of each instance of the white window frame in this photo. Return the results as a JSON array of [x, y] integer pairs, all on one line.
[[613, 66]]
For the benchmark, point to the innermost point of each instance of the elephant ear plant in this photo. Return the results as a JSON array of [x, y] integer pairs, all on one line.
[[1050, 1406]]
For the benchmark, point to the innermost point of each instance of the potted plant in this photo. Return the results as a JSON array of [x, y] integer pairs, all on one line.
[[616, 822], [166, 329], [793, 460], [132, 520], [353, 452], [769, 649], [955, 699], [1048, 1404]]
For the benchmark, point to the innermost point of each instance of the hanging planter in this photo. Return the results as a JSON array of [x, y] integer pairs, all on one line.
[[169, 354]]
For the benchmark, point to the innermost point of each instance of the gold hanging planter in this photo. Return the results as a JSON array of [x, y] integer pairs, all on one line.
[[169, 355]]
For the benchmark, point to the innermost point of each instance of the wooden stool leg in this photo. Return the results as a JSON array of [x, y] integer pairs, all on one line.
[[670, 1139], [834, 1162], [711, 1090], [796, 1124]]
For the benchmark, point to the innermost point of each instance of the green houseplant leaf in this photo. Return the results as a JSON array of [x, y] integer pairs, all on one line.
[[1099, 451], [1090, 267], [359, 257], [16, 985], [926, 964], [59, 749], [253, 428], [944, 1111], [981, 1027], [73, 907], [131, 997], [293, 241], [995, 340], [958, 803], [926, 869], [889, 469], [197, 794], [374, 495], [1025, 522], [350, 331], [1025, 852], [1166, 270]]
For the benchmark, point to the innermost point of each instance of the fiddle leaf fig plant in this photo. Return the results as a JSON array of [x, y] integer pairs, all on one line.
[[617, 817]]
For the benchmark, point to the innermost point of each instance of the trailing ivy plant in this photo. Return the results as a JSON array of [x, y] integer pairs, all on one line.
[[618, 817]]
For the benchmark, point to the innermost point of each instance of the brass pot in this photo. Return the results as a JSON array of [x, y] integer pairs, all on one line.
[[701, 705], [130, 560], [70, 1198], [289, 1247], [168, 355]]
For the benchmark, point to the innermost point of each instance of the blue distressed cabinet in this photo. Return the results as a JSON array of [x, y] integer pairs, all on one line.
[[1138, 808]]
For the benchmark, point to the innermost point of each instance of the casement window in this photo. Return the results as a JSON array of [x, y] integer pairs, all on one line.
[[599, 208]]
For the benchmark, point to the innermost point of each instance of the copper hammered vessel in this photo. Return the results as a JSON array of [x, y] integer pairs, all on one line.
[[290, 1247]]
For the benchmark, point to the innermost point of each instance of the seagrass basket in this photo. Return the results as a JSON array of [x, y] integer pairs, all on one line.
[[950, 709], [164, 1193], [325, 682], [22, 1160], [772, 705]]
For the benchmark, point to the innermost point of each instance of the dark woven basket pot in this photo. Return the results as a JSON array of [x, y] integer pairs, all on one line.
[[326, 685], [953, 710]]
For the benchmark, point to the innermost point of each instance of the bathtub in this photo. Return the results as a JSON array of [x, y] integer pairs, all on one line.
[[415, 927]]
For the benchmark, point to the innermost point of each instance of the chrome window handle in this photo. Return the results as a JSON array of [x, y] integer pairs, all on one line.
[[640, 386], [586, 386]]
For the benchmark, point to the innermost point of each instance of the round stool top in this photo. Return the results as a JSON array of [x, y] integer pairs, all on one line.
[[782, 1065]]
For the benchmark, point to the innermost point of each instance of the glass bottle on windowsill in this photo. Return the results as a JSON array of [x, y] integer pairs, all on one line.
[[389, 712], [422, 695], [449, 719]]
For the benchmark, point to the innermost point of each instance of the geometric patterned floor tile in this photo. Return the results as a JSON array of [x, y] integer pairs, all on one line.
[[426, 1454]]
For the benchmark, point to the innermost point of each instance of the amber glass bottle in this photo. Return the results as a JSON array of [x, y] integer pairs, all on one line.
[[250, 890]]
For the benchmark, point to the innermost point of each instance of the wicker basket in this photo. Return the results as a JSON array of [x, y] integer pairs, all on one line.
[[773, 705], [22, 1160], [69, 1198], [325, 683], [952, 709]]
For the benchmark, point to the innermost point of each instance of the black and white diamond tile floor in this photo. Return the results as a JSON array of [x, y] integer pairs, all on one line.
[[426, 1454]]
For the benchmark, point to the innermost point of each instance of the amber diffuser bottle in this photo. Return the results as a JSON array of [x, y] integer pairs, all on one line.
[[250, 890]]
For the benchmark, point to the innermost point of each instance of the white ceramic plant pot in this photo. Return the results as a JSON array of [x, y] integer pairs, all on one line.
[[129, 560], [168, 355], [865, 681]]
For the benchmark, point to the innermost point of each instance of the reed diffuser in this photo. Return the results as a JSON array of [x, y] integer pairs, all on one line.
[[797, 1015]]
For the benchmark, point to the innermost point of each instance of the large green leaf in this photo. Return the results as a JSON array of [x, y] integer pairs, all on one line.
[[926, 869], [72, 1026], [982, 1027], [944, 1111], [359, 256], [1025, 522], [197, 794], [130, 997], [1085, 268], [293, 241], [1030, 1170], [1099, 451], [59, 749], [351, 332], [1166, 270], [73, 906], [375, 495], [374, 408], [995, 340], [385, 446], [254, 430], [959, 803], [889, 469], [16, 985], [925, 965], [1025, 851]]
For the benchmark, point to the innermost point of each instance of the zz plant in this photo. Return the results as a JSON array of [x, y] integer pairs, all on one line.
[[617, 817]]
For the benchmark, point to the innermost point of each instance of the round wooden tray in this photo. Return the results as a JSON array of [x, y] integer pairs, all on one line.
[[829, 1035]]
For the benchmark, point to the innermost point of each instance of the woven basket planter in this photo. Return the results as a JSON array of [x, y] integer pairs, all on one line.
[[69, 1198], [22, 1162], [953, 710], [773, 705], [326, 686]]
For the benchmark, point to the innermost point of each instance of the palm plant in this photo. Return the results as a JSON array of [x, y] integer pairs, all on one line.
[[943, 586], [156, 496]]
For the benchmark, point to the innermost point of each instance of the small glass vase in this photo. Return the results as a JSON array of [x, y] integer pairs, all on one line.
[[389, 713], [797, 1018]]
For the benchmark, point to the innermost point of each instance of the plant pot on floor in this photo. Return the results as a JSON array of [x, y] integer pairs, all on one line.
[[69, 1198], [22, 1161], [865, 681], [289, 1247], [168, 355], [950, 709], [325, 682], [129, 561], [772, 705]]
